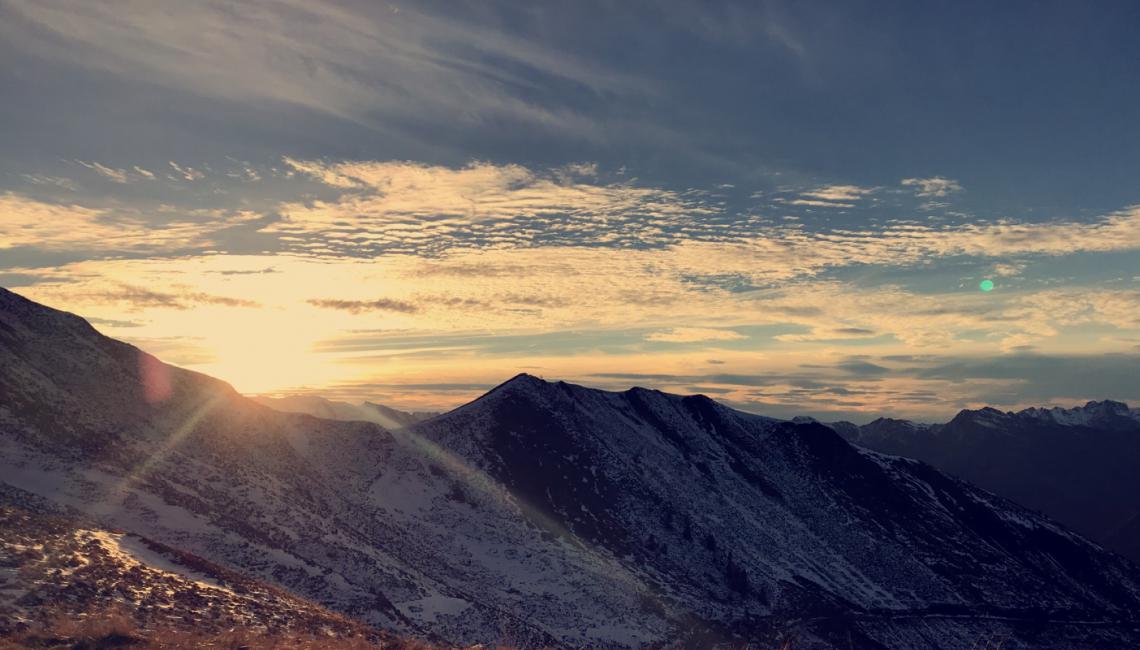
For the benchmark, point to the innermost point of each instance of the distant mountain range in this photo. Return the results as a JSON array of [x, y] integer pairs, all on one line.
[[548, 514], [320, 407], [1079, 465]]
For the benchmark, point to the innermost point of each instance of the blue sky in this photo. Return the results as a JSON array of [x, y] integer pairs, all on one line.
[[689, 195]]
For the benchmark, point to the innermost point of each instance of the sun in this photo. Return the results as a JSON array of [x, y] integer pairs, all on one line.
[[261, 350]]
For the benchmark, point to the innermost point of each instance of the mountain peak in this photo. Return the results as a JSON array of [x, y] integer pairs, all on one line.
[[1093, 412], [528, 384], [1108, 405], [39, 319], [986, 416], [525, 378], [894, 424], [520, 383]]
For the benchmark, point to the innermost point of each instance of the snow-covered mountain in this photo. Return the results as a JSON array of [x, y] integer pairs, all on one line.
[[320, 407], [1078, 465], [546, 513]]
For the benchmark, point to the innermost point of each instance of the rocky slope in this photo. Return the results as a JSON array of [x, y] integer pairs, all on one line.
[[546, 513], [55, 564]]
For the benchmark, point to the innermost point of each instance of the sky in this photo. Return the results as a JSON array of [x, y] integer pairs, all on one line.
[[838, 209]]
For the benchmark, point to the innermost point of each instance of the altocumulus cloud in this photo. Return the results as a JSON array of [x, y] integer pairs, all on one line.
[[394, 205], [430, 210]]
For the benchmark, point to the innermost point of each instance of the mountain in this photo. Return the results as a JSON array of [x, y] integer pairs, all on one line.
[[320, 407], [547, 513], [362, 520], [1078, 465]]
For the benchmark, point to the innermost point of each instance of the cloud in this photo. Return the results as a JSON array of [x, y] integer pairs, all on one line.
[[839, 192], [829, 334], [457, 252], [1008, 269], [693, 335], [186, 173], [933, 187], [933, 388], [110, 173], [138, 298], [430, 210], [774, 277], [1044, 313], [371, 208], [825, 196], [831, 196], [268, 269], [49, 180], [119, 175], [1045, 377], [28, 222], [485, 304], [862, 368], [817, 203], [365, 64], [463, 329], [48, 226], [398, 206], [362, 306]]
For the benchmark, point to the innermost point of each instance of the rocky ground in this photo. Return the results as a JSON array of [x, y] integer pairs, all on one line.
[[65, 582]]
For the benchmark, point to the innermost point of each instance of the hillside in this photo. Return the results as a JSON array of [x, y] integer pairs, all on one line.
[[64, 577]]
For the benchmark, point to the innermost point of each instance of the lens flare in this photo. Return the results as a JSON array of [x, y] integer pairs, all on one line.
[[986, 285], [155, 377]]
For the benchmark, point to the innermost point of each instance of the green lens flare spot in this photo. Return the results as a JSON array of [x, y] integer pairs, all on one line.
[[986, 285]]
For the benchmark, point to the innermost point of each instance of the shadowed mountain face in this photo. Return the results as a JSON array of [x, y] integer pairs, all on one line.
[[547, 513], [1077, 465]]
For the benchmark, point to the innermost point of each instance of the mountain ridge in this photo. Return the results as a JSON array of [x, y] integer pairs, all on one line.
[[1075, 464], [366, 411], [549, 513]]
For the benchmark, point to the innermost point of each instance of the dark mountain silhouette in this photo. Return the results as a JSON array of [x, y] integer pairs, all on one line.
[[1077, 465]]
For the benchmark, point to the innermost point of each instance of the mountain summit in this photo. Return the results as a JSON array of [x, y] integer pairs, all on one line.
[[548, 513]]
